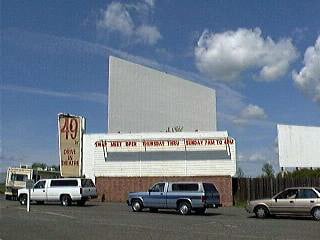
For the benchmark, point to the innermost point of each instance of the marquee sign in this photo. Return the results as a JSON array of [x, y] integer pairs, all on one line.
[[158, 145]]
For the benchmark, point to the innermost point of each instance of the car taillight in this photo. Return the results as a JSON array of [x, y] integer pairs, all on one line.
[[204, 198], [81, 190]]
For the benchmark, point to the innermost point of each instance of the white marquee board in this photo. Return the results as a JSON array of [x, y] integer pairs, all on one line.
[[159, 154]]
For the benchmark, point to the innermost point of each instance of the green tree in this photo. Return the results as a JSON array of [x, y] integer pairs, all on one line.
[[302, 173], [39, 165], [267, 170], [55, 168]]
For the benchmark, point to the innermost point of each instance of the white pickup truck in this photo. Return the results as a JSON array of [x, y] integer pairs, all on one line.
[[64, 190]]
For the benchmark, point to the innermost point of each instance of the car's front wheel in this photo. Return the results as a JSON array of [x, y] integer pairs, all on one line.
[[316, 213], [23, 199], [261, 212], [136, 205]]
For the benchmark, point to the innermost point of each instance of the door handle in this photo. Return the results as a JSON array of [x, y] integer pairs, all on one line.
[[291, 201], [312, 201], [43, 190], [161, 193]]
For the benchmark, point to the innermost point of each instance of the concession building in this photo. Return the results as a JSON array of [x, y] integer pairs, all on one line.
[[160, 128]]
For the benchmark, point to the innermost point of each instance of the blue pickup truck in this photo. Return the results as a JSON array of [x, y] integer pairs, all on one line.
[[182, 196]]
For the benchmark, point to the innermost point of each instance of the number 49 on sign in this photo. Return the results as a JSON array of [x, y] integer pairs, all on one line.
[[70, 128]]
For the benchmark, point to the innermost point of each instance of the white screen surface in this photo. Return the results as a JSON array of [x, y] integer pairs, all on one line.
[[299, 146], [142, 99]]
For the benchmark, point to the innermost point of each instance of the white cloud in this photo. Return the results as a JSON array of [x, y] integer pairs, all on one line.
[[224, 56], [148, 34], [84, 96], [308, 79], [151, 3], [262, 155], [253, 112], [117, 18], [257, 157], [249, 113]]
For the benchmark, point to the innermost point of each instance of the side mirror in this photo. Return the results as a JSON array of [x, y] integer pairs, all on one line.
[[276, 199], [149, 191]]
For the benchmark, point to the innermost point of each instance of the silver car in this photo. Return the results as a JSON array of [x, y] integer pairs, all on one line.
[[291, 201]]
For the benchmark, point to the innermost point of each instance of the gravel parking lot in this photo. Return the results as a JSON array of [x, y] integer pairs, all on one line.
[[116, 221]]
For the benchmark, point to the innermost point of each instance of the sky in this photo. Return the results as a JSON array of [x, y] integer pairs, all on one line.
[[261, 57]]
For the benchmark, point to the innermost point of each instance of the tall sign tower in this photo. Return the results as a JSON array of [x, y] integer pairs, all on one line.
[[71, 129]]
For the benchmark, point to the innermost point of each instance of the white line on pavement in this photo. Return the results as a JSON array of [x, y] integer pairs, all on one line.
[[59, 214]]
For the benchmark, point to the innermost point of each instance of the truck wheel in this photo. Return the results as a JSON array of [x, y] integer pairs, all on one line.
[[316, 213], [136, 205], [23, 199], [200, 210], [65, 200], [184, 208]]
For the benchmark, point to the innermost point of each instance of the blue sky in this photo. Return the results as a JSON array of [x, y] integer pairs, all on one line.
[[262, 57]]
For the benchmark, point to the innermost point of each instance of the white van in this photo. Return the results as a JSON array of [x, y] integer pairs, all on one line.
[[64, 190]]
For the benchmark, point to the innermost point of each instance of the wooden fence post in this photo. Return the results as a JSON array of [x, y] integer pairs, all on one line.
[[248, 189]]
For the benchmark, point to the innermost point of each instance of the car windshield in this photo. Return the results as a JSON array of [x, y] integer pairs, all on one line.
[[275, 196], [278, 194]]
